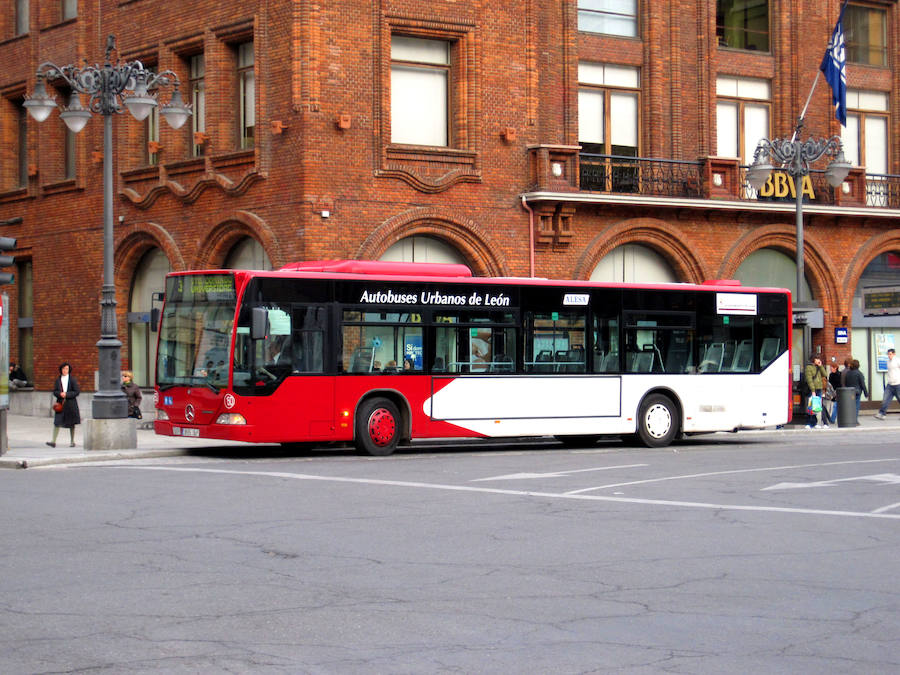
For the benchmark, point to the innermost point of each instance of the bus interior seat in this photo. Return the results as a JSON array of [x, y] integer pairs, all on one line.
[[712, 358], [743, 357], [544, 362], [642, 362], [610, 363], [769, 350], [728, 353], [656, 363]]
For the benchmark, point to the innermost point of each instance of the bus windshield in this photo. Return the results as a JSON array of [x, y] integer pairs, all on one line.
[[195, 332]]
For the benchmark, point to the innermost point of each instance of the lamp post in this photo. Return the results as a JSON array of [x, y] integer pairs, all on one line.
[[106, 86], [795, 156]]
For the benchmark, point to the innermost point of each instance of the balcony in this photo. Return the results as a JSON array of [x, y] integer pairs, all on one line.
[[641, 176], [883, 190]]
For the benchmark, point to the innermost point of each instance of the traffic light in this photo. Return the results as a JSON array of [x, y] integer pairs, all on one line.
[[7, 244]]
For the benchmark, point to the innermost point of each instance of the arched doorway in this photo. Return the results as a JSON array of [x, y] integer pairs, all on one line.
[[634, 263], [769, 267], [147, 286], [874, 333]]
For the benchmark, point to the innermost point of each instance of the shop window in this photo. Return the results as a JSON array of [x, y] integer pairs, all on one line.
[[743, 24]]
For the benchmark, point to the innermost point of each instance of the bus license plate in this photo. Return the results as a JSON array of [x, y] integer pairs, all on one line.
[[185, 431]]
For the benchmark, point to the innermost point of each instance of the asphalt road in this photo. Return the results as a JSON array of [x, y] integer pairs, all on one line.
[[747, 553]]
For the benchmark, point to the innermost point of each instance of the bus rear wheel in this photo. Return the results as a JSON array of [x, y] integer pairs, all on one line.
[[657, 421], [377, 427]]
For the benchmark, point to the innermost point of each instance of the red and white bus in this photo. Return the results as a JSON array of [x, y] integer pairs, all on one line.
[[381, 353]]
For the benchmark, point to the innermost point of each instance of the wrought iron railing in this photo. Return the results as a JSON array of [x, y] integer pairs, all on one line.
[[883, 190], [641, 176]]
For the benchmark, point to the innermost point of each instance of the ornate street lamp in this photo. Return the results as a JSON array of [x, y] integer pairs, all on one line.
[[795, 157], [108, 86]]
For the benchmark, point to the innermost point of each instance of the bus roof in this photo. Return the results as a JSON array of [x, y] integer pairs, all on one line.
[[452, 272]]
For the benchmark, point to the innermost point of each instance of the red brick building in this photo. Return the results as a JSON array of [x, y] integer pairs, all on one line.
[[567, 139]]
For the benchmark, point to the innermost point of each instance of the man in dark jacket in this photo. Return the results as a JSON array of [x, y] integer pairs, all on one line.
[[857, 380]]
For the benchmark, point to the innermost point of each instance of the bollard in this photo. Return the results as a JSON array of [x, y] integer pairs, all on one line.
[[846, 402]]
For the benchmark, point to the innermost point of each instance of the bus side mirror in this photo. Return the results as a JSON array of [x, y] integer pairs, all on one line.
[[154, 319], [259, 323]]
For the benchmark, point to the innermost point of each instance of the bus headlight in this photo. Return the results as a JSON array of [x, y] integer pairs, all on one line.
[[161, 414], [231, 418]]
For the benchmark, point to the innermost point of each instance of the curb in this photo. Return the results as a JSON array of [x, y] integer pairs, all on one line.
[[98, 456]]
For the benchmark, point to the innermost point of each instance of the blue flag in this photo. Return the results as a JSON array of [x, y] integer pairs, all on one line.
[[834, 65]]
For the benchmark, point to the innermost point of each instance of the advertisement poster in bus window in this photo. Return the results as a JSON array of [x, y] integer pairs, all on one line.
[[412, 349]]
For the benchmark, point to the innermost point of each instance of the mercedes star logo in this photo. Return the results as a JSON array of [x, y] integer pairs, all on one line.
[[189, 413]]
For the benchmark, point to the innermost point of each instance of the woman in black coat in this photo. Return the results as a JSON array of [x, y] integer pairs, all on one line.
[[65, 392]]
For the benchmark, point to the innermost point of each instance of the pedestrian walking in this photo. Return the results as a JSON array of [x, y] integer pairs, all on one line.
[[132, 393], [815, 376], [892, 384], [65, 408], [857, 380]]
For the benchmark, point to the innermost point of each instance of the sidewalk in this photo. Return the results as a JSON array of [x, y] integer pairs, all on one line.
[[28, 447], [28, 437]]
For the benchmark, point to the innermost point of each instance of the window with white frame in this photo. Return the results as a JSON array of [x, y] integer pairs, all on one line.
[[865, 137], [246, 94], [608, 104], [198, 101], [420, 91], [610, 17], [608, 126], [742, 116], [22, 147]]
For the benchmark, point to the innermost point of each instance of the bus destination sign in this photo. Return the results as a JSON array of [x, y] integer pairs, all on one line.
[[202, 287], [881, 300]]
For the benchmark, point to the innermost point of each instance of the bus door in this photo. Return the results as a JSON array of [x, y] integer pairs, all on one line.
[[311, 388]]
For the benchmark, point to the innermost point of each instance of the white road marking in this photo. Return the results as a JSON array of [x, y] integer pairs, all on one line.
[[887, 478], [555, 474], [520, 493], [885, 509], [726, 473]]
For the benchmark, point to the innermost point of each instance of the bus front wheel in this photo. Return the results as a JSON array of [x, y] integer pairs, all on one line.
[[377, 427], [657, 421]]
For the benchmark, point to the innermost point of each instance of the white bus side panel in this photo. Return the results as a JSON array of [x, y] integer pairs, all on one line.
[[541, 405]]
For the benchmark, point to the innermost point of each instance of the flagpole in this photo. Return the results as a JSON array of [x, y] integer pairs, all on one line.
[[803, 114]]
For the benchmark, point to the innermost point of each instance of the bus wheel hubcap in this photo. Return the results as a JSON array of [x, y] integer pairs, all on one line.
[[658, 421], [381, 427]]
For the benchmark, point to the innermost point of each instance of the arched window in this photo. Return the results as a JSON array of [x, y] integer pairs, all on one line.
[[634, 263], [149, 279], [247, 254], [768, 267], [423, 249]]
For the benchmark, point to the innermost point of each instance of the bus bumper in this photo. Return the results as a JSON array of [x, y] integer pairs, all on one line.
[[220, 432]]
